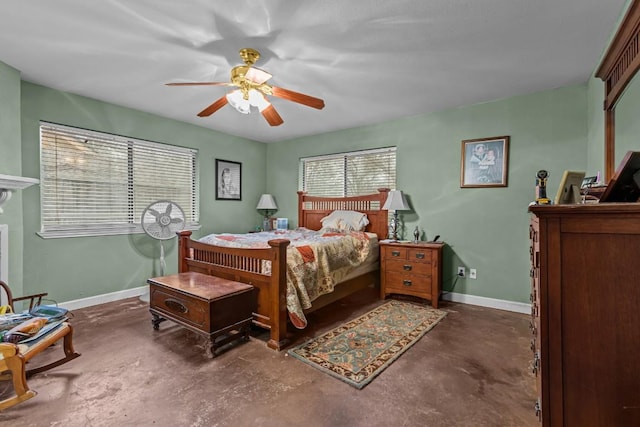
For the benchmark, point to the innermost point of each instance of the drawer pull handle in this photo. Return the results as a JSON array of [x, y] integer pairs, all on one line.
[[395, 253], [406, 282], [536, 363], [176, 305], [407, 267], [420, 255]]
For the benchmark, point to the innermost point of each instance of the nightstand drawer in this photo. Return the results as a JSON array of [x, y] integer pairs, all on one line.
[[394, 252], [407, 283], [410, 254], [419, 255], [401, 266]]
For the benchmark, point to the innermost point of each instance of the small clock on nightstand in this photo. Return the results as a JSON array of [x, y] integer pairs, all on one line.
[[411, 269]]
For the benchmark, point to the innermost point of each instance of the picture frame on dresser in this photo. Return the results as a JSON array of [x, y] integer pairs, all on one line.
[[228, 180], [484, 162]]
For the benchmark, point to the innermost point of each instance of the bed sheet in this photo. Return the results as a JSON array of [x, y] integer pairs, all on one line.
[[316, 260]]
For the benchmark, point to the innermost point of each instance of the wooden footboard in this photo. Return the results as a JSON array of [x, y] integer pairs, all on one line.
[[246, 266]]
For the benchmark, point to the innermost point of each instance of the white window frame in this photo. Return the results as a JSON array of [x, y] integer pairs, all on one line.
[[133, 226], [345, 156]]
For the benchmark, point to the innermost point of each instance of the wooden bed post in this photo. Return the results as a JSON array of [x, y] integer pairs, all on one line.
[[278, 288], [183, 243], [301, 195], [382, 229]]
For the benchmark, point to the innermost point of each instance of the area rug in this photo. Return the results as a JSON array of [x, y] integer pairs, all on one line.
[[359, 350]]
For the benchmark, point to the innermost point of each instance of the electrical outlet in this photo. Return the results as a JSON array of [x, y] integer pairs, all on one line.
[[461, 272], [472, 273]]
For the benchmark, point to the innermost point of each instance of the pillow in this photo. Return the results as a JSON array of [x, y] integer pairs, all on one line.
[[345, 221]]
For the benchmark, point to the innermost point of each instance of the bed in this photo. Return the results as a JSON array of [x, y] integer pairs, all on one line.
[[266, 267]]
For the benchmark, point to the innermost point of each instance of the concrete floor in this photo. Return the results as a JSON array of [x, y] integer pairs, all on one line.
[[472, 369]]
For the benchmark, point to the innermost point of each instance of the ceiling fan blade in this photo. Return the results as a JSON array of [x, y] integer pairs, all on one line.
[[271, 115], [257, 75], [201, 84], [300, 98], [214, 107]]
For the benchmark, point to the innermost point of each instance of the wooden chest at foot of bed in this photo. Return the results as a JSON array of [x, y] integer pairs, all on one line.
[[219, 309]]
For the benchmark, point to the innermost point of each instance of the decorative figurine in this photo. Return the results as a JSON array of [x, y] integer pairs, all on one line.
[[541, 188], [416, 235]]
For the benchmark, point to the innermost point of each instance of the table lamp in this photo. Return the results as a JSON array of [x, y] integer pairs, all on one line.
[[395, 202], [268, 205]]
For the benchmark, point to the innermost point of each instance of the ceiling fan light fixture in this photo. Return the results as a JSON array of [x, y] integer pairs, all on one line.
[[258, 100], [237, 101], [253, 91]]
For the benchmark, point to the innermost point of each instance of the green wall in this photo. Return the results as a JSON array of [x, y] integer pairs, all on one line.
[[10, 164], [74, 268], [595, 132], [485, 229]]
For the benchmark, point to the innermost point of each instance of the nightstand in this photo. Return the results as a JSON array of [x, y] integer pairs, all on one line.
[[411, 269]]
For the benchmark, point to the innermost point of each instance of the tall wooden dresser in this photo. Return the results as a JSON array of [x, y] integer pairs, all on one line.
[[585, 306]]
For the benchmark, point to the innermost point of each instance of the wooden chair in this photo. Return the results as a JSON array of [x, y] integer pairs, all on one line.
[[11, 360], [7, 298], [14, 357]]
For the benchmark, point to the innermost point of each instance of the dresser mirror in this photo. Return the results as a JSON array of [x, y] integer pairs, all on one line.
[[618, 70]]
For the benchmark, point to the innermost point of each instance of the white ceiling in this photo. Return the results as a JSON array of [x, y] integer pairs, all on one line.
[[370, 60]]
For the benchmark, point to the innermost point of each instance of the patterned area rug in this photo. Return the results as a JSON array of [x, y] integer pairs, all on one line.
[[359, 350]]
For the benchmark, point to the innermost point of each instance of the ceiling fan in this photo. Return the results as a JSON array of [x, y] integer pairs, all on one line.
[[252, 91]]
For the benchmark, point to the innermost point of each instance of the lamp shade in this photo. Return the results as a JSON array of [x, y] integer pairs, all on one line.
[[237, 101], [396, 202], [256, 99], [266, 202]]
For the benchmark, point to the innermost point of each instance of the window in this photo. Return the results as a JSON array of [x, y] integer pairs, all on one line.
[[94, 183], [349, 174]]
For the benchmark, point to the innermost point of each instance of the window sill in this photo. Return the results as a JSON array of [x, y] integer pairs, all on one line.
[[100, 231]]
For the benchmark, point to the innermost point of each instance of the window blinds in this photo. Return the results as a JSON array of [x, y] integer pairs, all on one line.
[[95, 183], [349, 174]]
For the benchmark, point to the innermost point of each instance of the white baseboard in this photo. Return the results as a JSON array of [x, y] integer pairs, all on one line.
[[518, 307], [104, 298], [142, 291]]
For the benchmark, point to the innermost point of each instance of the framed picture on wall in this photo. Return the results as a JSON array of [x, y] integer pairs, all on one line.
[[484, 162], [228, 180]]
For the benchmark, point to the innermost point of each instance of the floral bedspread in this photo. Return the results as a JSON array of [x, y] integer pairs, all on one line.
[[316, 261]]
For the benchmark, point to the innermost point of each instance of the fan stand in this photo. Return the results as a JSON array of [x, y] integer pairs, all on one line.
[[163, 264], [146, 297]]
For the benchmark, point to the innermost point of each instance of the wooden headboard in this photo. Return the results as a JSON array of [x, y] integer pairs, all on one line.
[[311, 209]]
